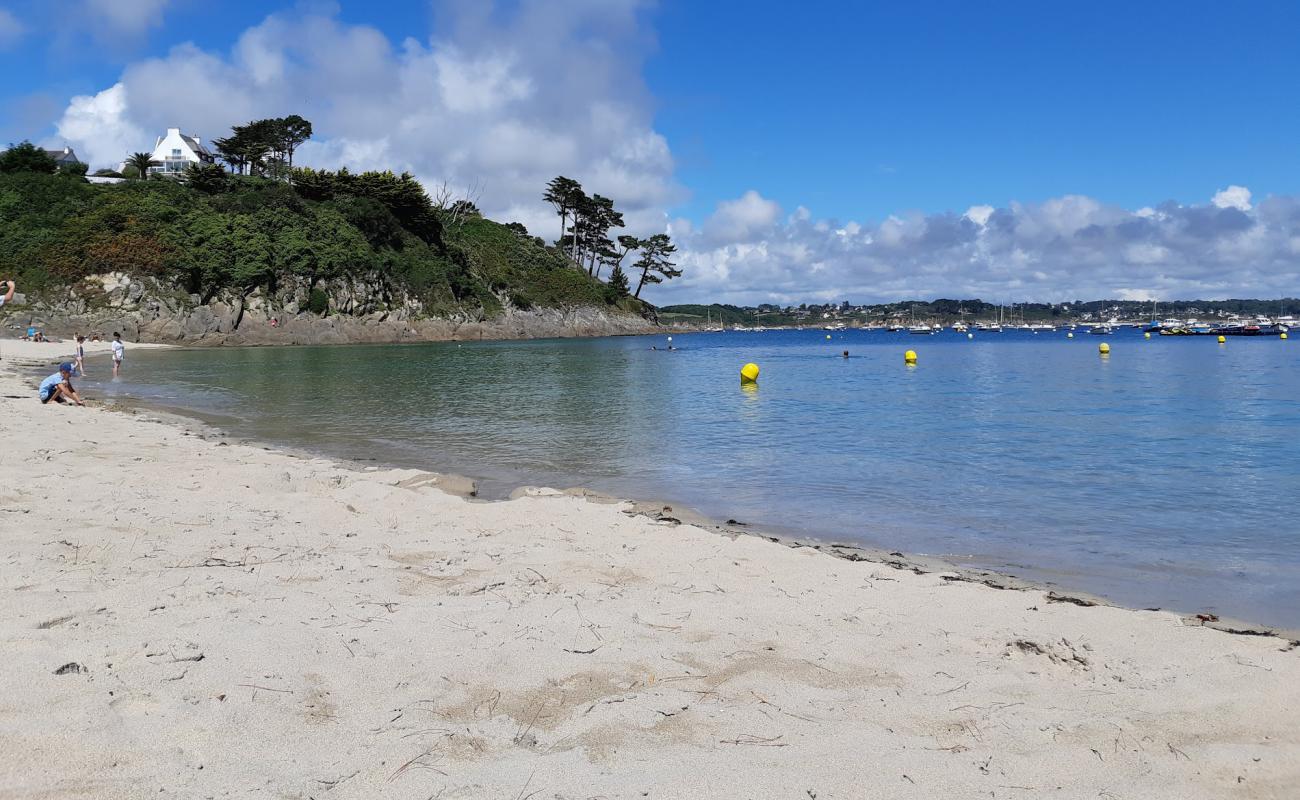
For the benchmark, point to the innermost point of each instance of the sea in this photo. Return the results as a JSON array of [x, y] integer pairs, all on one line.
[[1165, 474]]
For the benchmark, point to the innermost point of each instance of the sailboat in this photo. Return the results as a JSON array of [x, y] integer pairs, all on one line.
[[989, 327], [921, 330]]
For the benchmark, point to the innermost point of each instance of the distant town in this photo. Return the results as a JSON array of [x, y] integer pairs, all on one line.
[[973, 312]]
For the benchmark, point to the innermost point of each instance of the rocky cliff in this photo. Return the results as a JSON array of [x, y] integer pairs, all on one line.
[[355, 310]]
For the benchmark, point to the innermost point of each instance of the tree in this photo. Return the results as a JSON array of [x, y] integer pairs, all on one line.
[[293, 131], [618, 281], [654, 264], [27, 157], [563, 193], [206, 178], [613, 257], [231, 150], [141, 162], [602, 217], [264, 146]]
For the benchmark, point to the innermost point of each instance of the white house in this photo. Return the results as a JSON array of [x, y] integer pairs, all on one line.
[[176, 151]]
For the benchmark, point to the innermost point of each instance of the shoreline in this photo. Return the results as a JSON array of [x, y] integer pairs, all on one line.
[[658, 508], [211, 617]]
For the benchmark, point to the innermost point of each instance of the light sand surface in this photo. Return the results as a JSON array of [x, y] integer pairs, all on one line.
[[245, 623]]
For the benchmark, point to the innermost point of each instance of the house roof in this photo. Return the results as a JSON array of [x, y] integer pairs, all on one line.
[[195, 145], [64, 156]]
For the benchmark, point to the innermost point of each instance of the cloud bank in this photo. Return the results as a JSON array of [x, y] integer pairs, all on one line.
[[1067, 248]]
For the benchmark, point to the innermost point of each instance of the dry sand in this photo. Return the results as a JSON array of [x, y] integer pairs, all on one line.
[[186, 618]]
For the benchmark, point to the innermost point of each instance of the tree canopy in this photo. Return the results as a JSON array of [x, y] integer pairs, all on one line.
[[585, 226], [264, 147], [27, 157]]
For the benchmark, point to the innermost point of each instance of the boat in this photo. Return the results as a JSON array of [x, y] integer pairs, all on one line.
[[1249, 329], [922, 330], [1041, 326], [1101, 330], [991, 327]]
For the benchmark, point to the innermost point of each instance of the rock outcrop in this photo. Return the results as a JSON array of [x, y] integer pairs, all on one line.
[[146, 310]]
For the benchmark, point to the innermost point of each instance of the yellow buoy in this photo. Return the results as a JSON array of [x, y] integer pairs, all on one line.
[[1146, 335], [910, 357], [1069, 335], [1104, 349], [749, 373], [828, 336], [1281, 336], [1222, 339]]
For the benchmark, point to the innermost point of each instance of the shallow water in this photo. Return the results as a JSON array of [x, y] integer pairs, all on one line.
[[1165, 475]]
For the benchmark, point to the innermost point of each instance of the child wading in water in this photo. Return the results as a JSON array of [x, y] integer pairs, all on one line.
[[118, 350], [80, 359]]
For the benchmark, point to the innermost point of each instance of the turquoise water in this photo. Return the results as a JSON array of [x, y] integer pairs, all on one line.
[[1165, 475]]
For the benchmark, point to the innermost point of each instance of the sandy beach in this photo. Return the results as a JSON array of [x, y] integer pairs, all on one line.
[[187, 617]]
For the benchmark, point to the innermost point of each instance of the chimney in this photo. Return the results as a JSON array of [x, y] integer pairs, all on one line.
[[173, 131]]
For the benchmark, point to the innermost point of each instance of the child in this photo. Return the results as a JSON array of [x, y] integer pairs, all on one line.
[[58, 387], [118, 350], [79, 359]]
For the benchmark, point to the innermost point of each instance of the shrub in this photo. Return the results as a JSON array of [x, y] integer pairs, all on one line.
[[27, 157], [318, 302]]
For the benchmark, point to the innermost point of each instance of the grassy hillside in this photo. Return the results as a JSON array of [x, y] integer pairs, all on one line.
[[239, 234]]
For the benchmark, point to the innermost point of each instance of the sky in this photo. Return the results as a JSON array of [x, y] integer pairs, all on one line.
[[1017, 151]]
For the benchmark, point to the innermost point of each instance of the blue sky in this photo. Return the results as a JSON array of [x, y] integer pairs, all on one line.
[[776, 144]]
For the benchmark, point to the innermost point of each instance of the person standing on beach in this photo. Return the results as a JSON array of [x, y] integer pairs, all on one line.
[[8, 295], [118, 350], [58, 387]]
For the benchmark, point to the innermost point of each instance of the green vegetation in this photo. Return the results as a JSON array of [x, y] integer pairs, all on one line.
[[27, 157], [585, 223], [264, 147], [213, 231], [265, 225], [140, 162]]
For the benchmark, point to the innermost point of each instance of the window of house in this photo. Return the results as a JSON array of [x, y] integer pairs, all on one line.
[[176, 152]]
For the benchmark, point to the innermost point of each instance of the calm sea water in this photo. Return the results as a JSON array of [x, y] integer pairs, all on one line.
[[1165, 475]]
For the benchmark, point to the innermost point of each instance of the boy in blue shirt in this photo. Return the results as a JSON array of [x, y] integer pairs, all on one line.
[[58, 387]]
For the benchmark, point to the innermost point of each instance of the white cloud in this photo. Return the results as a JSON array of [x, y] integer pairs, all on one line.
[[979, 214], [1062, 249], [99, 128], [740, 219], [1237, 197], [11, 29]]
